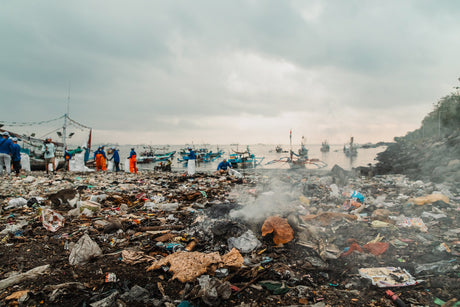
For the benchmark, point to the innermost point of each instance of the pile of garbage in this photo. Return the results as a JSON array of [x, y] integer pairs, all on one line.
[[269, 238]]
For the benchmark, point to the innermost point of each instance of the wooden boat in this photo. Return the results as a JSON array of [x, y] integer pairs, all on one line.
[[325, 146], [151, 155], [350, 150], [244, 159]]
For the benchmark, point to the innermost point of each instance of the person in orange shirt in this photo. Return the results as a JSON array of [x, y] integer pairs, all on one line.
[[100, 158], [132, 161]]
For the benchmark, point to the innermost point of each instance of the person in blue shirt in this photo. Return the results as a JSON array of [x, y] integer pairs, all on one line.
[[191, 154], [16, 156], [224, 166], [116, 159], [6, 148]]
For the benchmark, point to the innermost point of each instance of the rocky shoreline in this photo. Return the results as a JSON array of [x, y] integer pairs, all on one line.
[[430, 159], [270, 238]]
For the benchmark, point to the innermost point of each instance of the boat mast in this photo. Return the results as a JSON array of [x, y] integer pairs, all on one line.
[[64, 128]]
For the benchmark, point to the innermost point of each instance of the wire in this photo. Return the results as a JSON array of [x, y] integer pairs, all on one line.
[[29, 123]]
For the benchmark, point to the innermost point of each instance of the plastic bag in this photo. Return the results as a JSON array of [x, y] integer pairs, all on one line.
[[191, 167], [52, 220], [281, 229], [84, 250], [25, 162], [16, 203], [245, 243]]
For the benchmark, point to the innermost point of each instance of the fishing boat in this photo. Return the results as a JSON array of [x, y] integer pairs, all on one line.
[[32, 145], [152, 155], [279, 149], [300, 160], [204, 155], [350, 149], [325, 146], [244, 159]]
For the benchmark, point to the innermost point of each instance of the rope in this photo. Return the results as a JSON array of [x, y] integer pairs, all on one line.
[[77, 123], [29, 123]]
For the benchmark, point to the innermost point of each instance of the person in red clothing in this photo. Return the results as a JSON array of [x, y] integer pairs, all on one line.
[[132, 161]]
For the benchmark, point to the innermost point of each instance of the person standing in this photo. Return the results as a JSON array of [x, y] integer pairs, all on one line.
[[132, 161], [67, 157], [6, 148], [100, 159], [191, 162], [103, 159], [116, 159], [48, 148], [16, 156]]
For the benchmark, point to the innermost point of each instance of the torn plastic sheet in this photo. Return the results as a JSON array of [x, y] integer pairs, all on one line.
[[413, 222], [52, 220], [384, 277]]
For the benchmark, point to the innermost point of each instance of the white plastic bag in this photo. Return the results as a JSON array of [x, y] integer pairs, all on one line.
[[84, 250], [25, 162], [191, 167]]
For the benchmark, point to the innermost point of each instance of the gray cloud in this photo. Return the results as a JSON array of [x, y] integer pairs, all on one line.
[[213, 68]]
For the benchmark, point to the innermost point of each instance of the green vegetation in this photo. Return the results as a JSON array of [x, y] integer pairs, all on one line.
[[442, 121]]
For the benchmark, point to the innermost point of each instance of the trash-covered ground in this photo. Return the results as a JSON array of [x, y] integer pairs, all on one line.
[[274, 238]]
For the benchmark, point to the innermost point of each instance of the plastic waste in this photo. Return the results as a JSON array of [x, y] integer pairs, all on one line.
[[161, 207], [191, 167], [84, 250], [52, 220], [16, 203], [358, 196], [25, 162], [334, 190], [234, 173], [429, 199], [77, 163], [281, 229], [245, 243], [13, 228], [388, 277], [98, 198], [442, 266], [398, 302], [413, 222]]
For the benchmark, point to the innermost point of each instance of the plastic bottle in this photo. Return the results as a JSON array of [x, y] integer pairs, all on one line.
[[398, 302]]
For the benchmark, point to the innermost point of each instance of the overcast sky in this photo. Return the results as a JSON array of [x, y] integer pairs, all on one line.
[[175, 72]]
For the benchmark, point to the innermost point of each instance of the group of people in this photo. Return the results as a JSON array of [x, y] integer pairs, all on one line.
[[100, 159], [9, 151]]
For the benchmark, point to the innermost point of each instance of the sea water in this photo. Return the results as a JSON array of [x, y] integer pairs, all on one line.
[[335, 156]]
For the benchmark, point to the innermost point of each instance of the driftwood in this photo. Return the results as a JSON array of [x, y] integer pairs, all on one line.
[[31, 274]]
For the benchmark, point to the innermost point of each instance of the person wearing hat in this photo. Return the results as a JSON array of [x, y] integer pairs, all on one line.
[[48, 148], [6, 148], [132, 161], [16, 156], [116, 159]]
